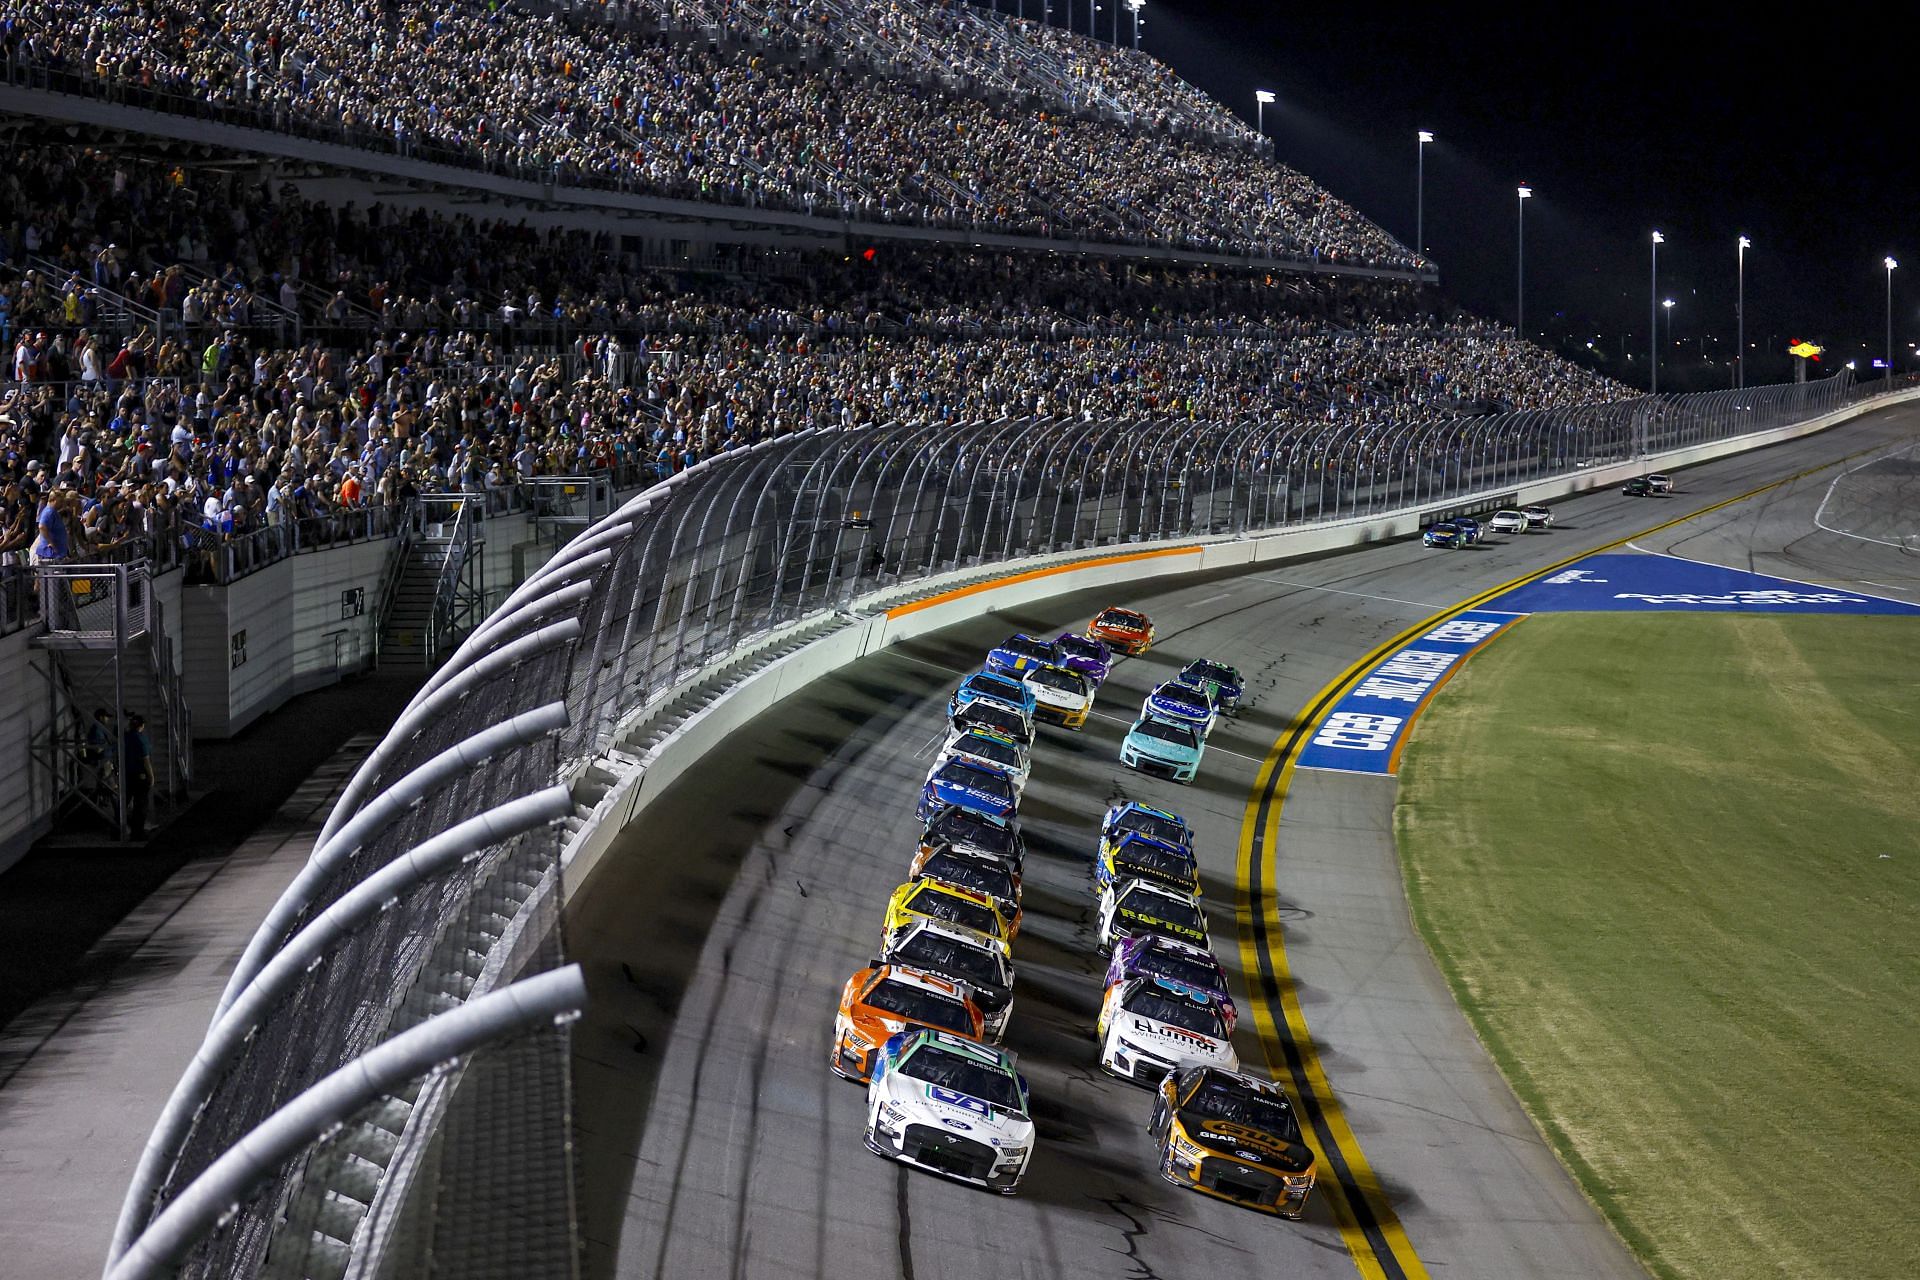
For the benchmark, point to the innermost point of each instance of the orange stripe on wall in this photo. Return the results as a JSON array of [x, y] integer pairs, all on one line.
[[960, 593]]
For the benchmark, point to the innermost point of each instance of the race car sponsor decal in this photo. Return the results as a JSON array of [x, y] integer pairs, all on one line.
[[1362, 731], [1179, 1035], [1622, 582], [964, 1101]]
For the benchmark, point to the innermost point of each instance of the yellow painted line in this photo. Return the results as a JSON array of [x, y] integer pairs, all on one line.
[[960, 593], [1366, 1220]]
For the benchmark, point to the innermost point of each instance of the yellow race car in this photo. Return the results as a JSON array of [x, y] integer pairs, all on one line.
[[1233, 1136], [939, 901]]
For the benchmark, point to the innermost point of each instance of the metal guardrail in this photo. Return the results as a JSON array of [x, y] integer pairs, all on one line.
[[684, 573]]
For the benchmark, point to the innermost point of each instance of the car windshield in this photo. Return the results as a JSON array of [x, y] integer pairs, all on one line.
[[1157, 859], [990, 715], [1174, 695], [979, 917], [1150, 1001], [1444, 528], [1060, 678], [957, 826], [1188, 970], [990, 782], [1004, 754], [920, 1005], [1122, 619], [1213, 672], [1165, 732], [1081, 647], [1151, 824], [996, 687], [1159, 906], [1025, 648], [950, 1070], [952, 958], [1224, 1100], [977, 874]]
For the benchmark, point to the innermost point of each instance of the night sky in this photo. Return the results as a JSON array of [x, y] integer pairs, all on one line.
[[1790, 132]]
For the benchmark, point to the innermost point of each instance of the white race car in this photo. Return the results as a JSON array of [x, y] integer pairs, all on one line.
[[995, 751], [1508, 522], [1150, 1026], [951, 1106], [1060, 695], [1538, 517], [1660, 483], [1129, 908]]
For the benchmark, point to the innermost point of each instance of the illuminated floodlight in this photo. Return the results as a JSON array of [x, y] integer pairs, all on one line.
[[1526, 192], [1658, 238], [1745, 243], [1425, 136], [1668, 302], [1889, 264], [1263, 96]]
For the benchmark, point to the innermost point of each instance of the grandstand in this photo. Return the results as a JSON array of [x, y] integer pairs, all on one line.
[[326, 325]]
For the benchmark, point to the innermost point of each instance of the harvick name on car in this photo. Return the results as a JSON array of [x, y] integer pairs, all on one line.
[[1230, 1135]]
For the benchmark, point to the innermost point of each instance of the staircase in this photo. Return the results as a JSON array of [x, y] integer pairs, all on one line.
[[433, 595], [406, 618]]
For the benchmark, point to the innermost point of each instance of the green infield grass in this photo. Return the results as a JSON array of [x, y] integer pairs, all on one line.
[[1670, 865]]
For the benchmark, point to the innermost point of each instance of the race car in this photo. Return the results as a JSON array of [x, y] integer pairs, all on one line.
[[1221, 683], [1131, 815], [1660, 483], [995, 717], [1509, 522], [959, 955], [1134, 856], [1152, 956], [950, 1106], [1123, 630], [1004, 690], [1230, 1135], [1444, 534], [961, 784], [938, 901], [1178, 703], [1165, 750], [1060, 695], [883, 1001], [1538, 517], [1132, 908], [977, 873], [984, 747], [1150, 1026], [1016, 654], [1638, 487], [1090, 657], [1469, 529], [966, 832]]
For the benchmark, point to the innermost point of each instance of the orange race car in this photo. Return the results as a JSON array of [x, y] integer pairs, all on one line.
[[883, 1001], [1124, 630]]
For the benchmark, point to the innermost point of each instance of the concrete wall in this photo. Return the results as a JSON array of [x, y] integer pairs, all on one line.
[[885, 617]]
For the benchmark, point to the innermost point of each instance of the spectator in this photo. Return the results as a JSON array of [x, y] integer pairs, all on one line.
[[136, 763]]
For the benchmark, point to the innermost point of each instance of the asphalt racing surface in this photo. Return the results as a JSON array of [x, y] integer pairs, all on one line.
[[717, 934]]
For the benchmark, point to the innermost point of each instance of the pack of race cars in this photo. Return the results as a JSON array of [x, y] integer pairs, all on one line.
[[922, 1024]]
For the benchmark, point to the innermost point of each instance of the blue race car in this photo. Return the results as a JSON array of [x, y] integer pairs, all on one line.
[[1130, 815], [1015, 655], [962, 784], [1004, 690], [1090, 657], [1137, 857], [1220, 682], [1444, 534], [1164, 749], [1469, 529], [1180, 704]]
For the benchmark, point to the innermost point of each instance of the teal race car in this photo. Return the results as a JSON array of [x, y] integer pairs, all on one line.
[[1163, 749]]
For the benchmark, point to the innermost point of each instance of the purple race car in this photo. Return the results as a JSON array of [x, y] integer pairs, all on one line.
[[1090, 657], [1151, 955]]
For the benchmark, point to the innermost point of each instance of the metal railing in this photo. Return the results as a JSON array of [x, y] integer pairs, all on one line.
[[687, 572]]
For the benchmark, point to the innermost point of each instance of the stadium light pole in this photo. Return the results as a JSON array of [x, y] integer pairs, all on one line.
[[1261, 98], [1520, 268], [1135, 6], [1666, 305], [1890, 264], [1653, 315], [1420, 193], [1740, 320]]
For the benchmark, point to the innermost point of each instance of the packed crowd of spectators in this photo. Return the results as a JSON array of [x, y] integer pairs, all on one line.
[[442, 353], [552, 93]]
